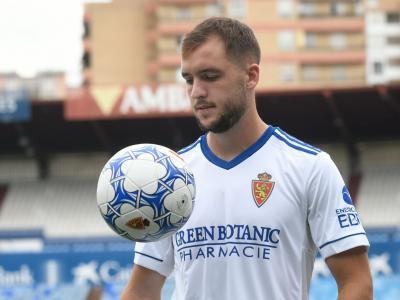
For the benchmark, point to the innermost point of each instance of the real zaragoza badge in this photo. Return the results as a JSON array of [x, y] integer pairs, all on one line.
[[262, 188]]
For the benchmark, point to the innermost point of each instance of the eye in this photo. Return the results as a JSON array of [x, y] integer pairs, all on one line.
[[189, 80], [210, 76]]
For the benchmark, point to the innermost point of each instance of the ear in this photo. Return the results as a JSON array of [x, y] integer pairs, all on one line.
[[253, 75]]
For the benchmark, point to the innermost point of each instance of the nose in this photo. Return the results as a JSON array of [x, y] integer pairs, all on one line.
[[198, 90]]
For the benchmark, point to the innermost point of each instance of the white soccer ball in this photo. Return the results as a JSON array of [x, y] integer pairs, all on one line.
[[145, 192]]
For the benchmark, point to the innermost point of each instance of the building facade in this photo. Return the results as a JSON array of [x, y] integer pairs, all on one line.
[[305, 43], [382, 30], [43, 86]]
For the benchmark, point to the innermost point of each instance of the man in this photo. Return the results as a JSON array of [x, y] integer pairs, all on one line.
[[265, 201]]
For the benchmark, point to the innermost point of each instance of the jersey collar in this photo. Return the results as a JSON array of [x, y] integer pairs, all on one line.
[[241, 157]]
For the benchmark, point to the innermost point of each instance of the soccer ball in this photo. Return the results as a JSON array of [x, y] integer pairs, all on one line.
[[145, 192]]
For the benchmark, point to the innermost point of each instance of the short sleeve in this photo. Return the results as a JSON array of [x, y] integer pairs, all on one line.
[[334, 222], [157, 256]]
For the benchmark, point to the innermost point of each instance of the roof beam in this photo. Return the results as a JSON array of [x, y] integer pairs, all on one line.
[[353, 152]]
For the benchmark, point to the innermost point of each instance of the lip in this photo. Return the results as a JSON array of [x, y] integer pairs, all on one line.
[[203, 106], [204, 110]]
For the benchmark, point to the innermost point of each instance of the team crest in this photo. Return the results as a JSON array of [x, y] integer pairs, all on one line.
[[262, 188]]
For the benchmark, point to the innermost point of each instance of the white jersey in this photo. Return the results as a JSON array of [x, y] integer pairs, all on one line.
[[257, 222]]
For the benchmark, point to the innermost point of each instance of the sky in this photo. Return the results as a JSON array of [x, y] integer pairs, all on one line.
[[42, 35]]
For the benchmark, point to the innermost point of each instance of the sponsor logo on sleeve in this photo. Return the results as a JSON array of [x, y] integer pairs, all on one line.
[[347, 216], [346, 195]]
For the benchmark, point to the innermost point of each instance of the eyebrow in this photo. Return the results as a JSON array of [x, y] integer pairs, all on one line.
[[209, 70], [185, 74]]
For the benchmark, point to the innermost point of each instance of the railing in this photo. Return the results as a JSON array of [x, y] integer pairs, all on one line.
[[354, 47], [330, 15], [332, 79]]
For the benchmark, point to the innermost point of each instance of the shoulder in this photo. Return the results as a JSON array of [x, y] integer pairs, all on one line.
[[292, 145], [190, 150], [295, 154], [189, 147]]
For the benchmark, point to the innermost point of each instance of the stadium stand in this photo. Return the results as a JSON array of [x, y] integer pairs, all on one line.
[[18, 169], [51, 186], [77, 165], [63, 205], [379, 196], [3, 191], [61, 208], [339, 155]]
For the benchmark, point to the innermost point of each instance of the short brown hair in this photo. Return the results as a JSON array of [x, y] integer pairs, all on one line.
[[240, 41]]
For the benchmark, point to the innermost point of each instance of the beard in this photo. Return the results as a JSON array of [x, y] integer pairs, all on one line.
[[232, 111]]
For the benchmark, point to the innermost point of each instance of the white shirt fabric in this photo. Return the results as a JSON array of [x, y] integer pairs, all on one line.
[[240, 242]]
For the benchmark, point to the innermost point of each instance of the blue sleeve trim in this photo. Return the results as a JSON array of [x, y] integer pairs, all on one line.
[[149, 256], [344, 237], [309, 151], [293, 139]]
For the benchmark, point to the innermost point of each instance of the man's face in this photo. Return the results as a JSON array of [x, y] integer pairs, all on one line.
[[216, 86]]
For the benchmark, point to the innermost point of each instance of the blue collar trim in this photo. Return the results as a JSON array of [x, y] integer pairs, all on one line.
[[241, 157]]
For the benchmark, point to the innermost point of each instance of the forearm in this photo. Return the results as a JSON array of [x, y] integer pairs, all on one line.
[[352, 274], [145, 284], [132, 294], [356, 291]]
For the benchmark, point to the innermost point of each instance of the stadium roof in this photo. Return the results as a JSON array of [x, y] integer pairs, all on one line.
[[316, 116]]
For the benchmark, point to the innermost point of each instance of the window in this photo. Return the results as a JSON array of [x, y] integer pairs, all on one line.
[[86, 58], [183, 13], [393, 18], [339, 73], [309, 73], [358, 8], [376, 41], [86, 29], [338, 8], [285, 8], [237, 8], [393, 40], [378, 68], [286, 40], [338, 41], [310, 40], [306, 9], [394, 61], [373, 17], [214, 10], [372, 3], [287, 72]]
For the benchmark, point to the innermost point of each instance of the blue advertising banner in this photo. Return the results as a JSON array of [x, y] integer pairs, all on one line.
[[384, 253], [77, 262], [384, 260], [14, 106], [64, 267]]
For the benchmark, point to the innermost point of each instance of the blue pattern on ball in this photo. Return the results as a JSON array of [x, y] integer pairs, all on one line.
[[139, 198]]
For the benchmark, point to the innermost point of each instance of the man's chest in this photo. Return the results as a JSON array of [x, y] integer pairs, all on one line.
[[247, 216], [257, 196]]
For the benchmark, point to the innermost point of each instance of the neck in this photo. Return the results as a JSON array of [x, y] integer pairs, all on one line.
[[241, 136]]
